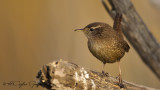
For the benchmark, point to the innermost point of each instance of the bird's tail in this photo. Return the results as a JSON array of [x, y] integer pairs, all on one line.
[[117, 23]]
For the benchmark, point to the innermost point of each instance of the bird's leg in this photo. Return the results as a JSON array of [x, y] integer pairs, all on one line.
[[120, 75], [104, 73], [103, 69]]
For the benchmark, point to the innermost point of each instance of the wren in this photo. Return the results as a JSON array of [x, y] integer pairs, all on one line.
[[106, 43]]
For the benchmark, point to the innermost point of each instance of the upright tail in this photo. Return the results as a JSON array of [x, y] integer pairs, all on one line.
[[117, 23]]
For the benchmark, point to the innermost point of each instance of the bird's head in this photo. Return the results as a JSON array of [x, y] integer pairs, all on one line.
[[94, 29]]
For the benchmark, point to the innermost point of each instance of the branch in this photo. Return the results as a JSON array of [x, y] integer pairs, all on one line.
[[137, 33], [63, 75]]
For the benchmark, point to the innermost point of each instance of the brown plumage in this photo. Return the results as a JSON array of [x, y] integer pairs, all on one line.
[[106, 43]]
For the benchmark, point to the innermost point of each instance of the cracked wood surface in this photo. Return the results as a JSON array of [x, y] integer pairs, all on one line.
[[64, 75]]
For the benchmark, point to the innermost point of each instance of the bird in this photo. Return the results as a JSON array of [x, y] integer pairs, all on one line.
[[106, 43]]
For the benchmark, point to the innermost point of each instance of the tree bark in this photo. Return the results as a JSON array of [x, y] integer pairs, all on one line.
[[137, 33], [63, 75]]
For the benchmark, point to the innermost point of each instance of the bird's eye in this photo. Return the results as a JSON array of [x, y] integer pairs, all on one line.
[[91, 29]]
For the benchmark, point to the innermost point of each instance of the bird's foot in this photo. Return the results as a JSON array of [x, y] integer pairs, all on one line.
[[105, 73], [120, 83]]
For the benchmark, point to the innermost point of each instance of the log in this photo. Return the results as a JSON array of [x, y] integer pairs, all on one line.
[[137, 33], [64, 75]]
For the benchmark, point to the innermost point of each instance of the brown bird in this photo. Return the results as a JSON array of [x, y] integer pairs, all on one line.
[[106, 43]]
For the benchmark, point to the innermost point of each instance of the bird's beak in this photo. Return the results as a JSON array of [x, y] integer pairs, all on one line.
[[78, 29]]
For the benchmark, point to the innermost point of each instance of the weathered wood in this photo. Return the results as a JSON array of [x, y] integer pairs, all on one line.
[[137, 33], [63, 75]]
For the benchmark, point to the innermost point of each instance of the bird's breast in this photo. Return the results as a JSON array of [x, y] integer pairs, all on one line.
[[105, 51]]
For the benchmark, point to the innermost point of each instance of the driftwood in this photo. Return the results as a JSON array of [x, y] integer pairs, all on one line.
[[137, 33], [63, 75]]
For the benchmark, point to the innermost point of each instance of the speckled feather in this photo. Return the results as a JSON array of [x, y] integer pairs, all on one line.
[[105, 43]]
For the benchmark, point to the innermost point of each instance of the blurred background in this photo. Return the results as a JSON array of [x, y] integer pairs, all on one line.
[[36, 32]]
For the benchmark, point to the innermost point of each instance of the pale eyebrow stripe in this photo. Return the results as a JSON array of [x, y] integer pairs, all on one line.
[[96, 27]]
